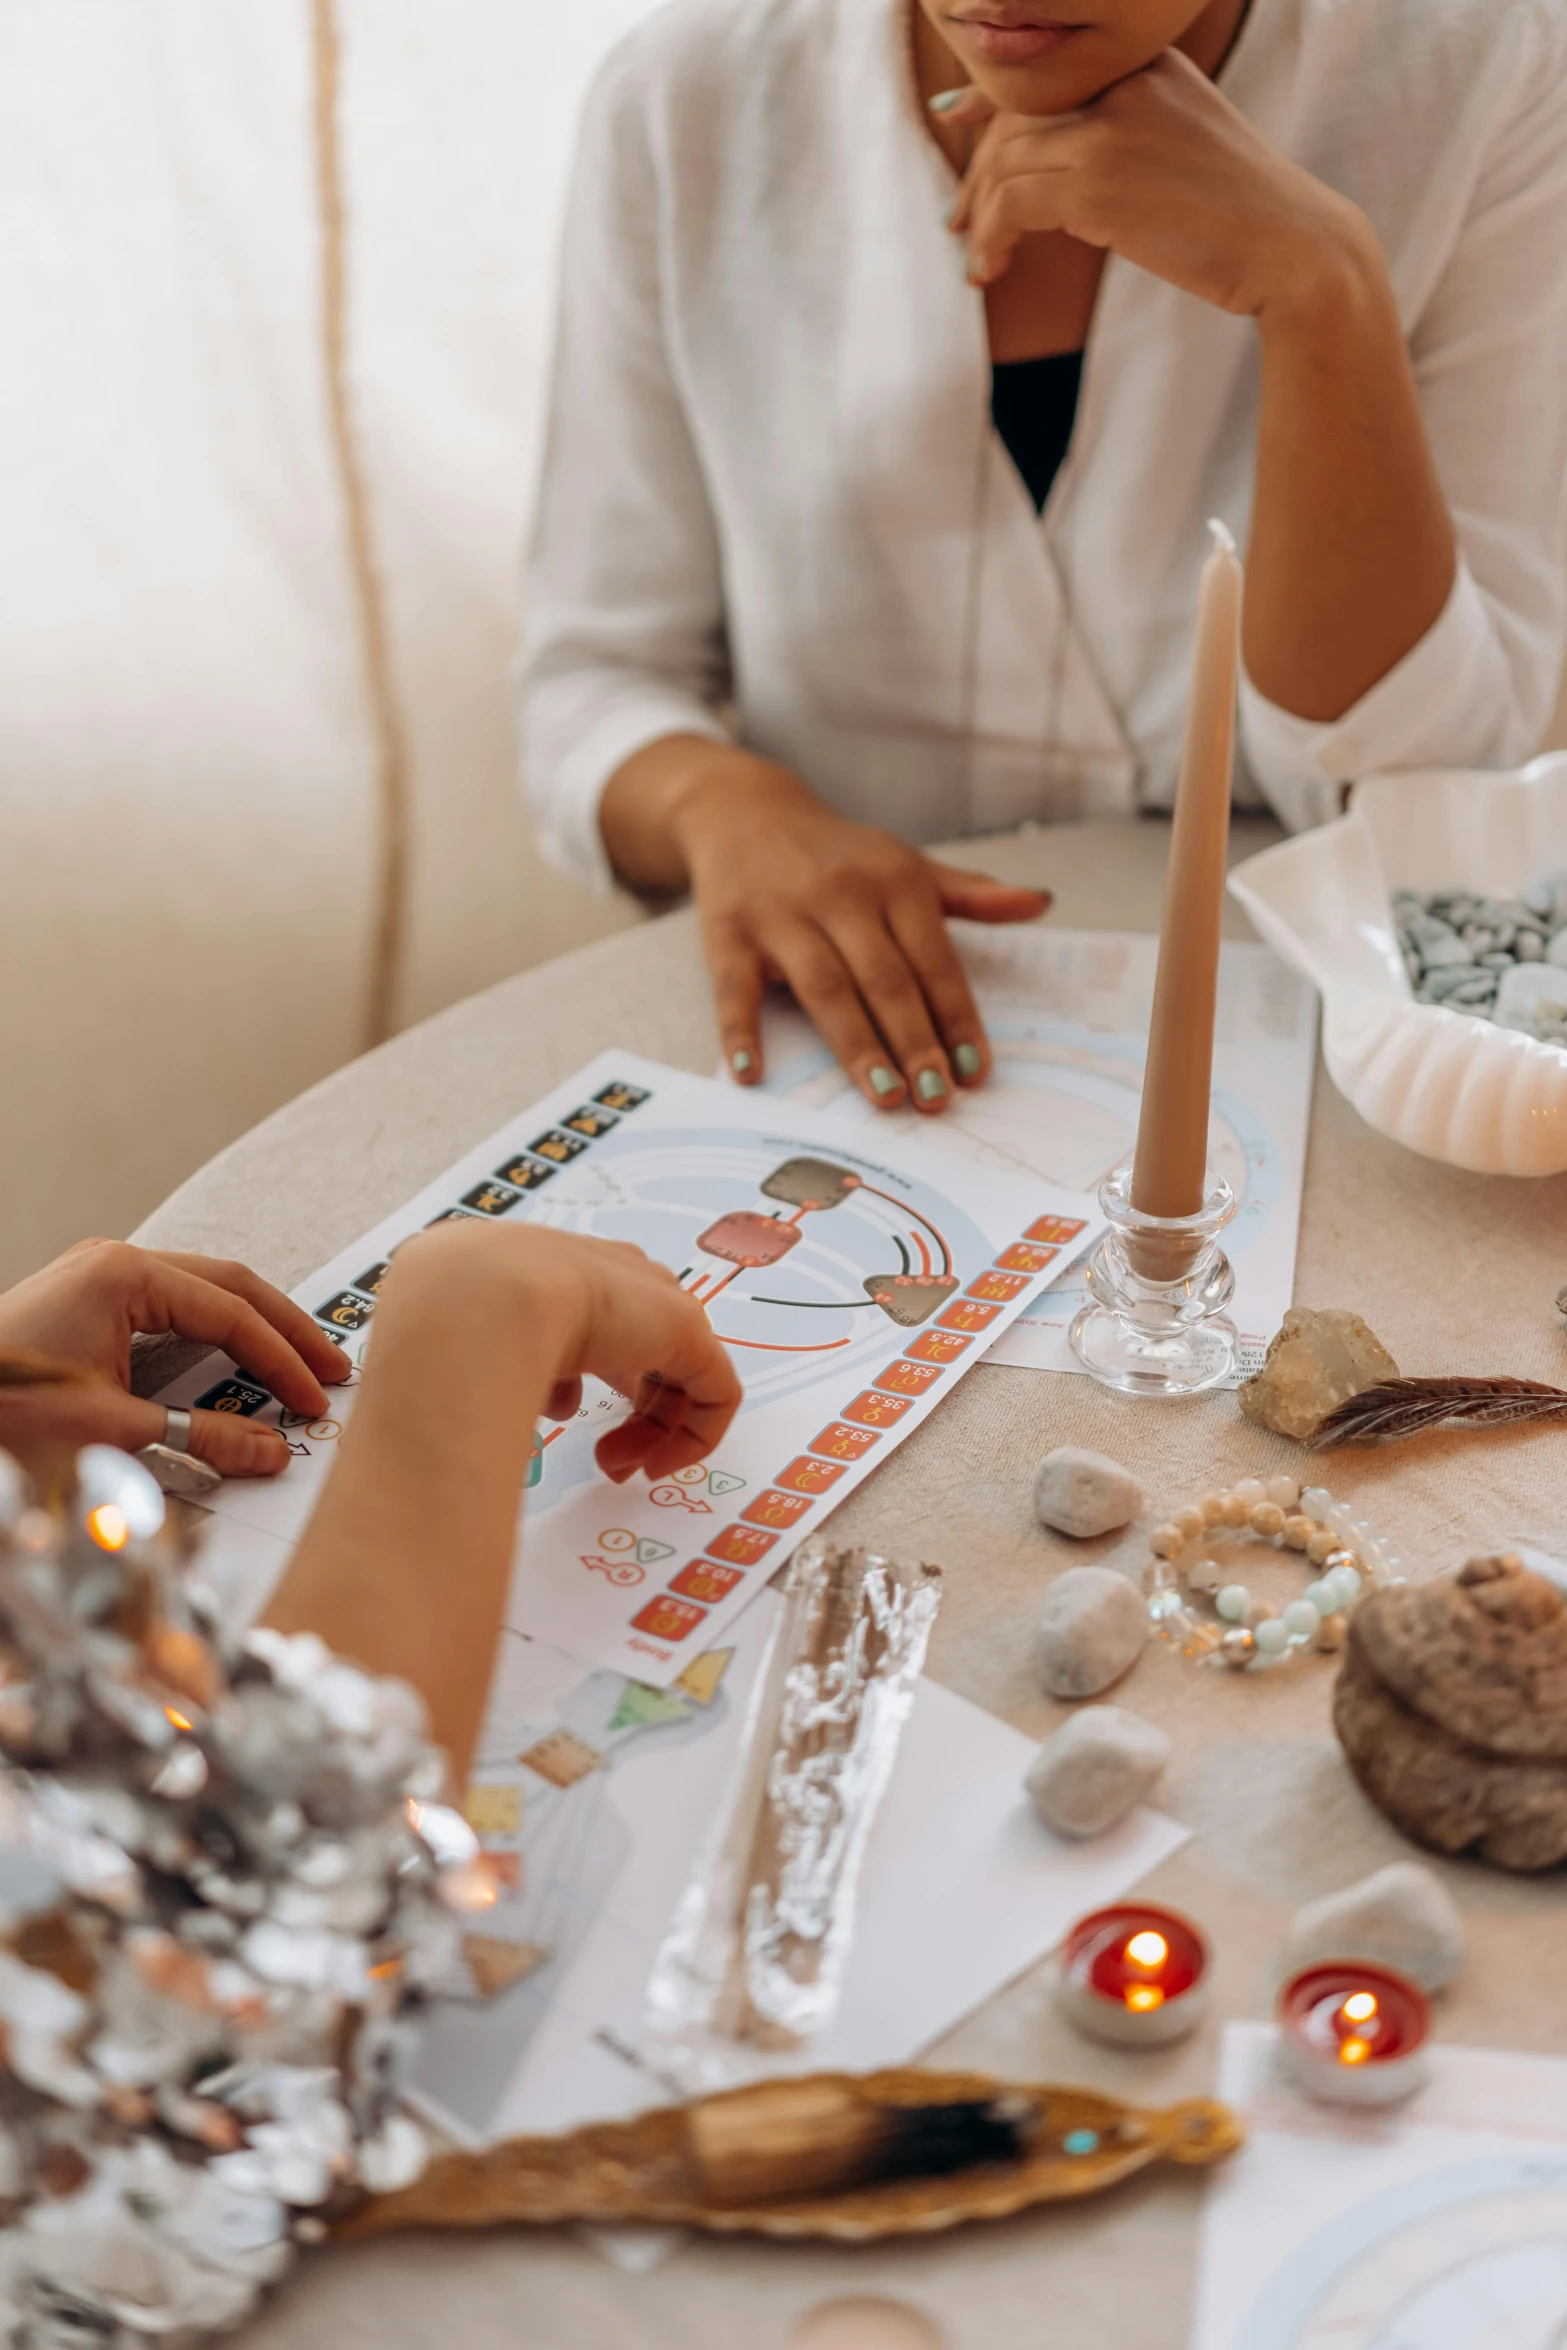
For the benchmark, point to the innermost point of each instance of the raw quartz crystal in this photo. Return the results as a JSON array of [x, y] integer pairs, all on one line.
[[1175, 1622], [1317, 1359], [226, 1887]]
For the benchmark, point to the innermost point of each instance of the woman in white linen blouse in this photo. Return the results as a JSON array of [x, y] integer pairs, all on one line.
[[791, 608]]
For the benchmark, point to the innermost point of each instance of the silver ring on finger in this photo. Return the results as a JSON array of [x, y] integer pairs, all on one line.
[[172, 1463]]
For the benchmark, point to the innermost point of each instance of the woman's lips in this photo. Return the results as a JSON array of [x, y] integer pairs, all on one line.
[[1015, 44]]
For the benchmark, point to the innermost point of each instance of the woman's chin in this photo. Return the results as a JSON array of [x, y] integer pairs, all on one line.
[[1059, 85]]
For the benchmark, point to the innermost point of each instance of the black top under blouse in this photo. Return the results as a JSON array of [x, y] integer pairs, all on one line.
[[1033, 404]]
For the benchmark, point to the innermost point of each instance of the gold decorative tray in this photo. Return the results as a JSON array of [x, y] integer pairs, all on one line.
[[642, 2170]]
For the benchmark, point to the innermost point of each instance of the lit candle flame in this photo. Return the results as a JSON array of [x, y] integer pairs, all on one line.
[[178, 1719], [1148, 1950], [107, 1526], [1360, 2007]]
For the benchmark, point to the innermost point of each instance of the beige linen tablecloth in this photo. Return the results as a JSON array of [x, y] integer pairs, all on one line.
[[1455, 1272]]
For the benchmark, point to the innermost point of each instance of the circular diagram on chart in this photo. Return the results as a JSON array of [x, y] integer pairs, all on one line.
[[802, 1263], [1471, 2258]]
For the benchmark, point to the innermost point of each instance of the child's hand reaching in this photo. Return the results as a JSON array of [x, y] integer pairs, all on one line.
[[480, 1331]]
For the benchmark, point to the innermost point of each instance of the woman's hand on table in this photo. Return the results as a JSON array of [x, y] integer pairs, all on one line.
[[67, 1332], [480, 1331], [1165, 172], [851, 919]]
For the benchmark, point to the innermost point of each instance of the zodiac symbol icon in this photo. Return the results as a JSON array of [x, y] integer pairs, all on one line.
[[618, 1570]]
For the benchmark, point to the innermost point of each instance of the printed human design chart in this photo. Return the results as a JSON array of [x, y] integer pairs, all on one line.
[[853, 1284], [1067, 1015], [1439, 2225]]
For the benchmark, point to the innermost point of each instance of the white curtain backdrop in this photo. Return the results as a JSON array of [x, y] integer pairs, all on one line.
[[189, 791], [188, 782]]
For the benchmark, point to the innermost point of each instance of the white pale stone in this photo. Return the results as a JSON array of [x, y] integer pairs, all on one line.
[[1095, 1769], [1523, 990], [1083, 1493], [1092, 1629], [1402, 1917]]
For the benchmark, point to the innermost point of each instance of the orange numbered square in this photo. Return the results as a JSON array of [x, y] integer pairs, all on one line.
[[845, 1443], [742, 1546], [777, 1509], [1026, 1256], [876, 1411], [1057, 1228], [966, 1313], [908, 1378], [706, 1581], [807, 1476], [937, 1346], [669, 1619], [1003, 1287]]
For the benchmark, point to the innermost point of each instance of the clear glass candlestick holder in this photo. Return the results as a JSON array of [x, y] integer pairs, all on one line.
[[1159, 1286]]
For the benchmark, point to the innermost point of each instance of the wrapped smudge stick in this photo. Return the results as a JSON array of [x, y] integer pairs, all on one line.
[[227, 1882], [753, 1963]]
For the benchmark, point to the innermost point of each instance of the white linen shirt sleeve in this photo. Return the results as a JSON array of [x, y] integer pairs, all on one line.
[[623, 610], [1490, 360]]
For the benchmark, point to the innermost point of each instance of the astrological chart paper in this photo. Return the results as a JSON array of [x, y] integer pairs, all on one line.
[[1436, 2225], [1067, 1013], [852, 1284]]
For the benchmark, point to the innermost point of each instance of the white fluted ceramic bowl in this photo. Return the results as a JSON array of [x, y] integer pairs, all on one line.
[[1441, 1082]]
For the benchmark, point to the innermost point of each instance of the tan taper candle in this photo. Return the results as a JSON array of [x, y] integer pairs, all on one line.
[[1169, 1171]]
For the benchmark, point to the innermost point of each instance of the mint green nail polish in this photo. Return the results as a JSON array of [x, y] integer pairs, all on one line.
[[945, 100], [882, 1079], [740, 1061], [969, 1060], [930, 1085]]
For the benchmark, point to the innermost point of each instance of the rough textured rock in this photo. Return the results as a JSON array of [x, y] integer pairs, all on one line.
[[1316, 1361], [1084, 1493], [1400, 1917], [1092, 1629], [1095, 1768], [1452, 1710]]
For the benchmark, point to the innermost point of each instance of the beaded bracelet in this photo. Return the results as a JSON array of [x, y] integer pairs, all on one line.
[[1250, 1637]]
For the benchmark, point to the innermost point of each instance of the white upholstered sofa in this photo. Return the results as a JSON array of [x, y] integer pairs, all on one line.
[[194, 745], [274, 302]]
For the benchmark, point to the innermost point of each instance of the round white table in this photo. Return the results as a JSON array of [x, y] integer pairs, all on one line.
[[1455, 1272]]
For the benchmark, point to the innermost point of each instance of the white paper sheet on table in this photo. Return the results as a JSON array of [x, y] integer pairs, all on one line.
[[1440, 2225], [636, 1577], [963, 1885], [1067, 1013]]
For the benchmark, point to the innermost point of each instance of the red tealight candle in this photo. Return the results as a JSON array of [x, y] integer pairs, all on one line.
[[1354, 2033], [1134, 1974]]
